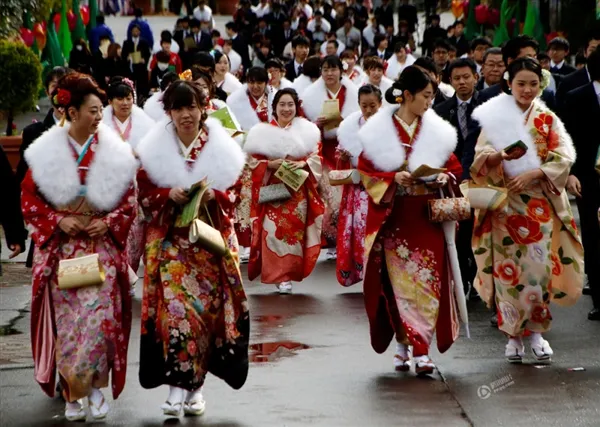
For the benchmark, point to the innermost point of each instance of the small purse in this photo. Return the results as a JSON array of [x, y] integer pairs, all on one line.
[[208, 236], [343, 177], [449, 209], [273, 193], [80, 272]]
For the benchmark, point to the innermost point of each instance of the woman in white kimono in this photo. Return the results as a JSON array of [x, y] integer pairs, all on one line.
[[311, 71], [351, 69], [398, 61], [153, 106], [223, 77], [374, 75], [276, 72], [332, 85]]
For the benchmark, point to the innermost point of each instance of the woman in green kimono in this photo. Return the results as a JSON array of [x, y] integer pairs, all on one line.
[[528, 253]]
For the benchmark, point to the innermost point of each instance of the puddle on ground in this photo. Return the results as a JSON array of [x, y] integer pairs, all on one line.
[[272, 351], [269, 318]]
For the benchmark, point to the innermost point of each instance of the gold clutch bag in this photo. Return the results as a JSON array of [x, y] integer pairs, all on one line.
[[485, 197], [80, 272], [208, 237], [273, 193], [343, 177], [449, 209]]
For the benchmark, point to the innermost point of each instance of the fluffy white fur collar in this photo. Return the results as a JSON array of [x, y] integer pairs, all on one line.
[[503, 123], [239, 103], [154, 107], [394, 68], [140, 123], [55, 172], [301, 83], [348, 137], [433, 145], [314, 96], [297, 141], [230, 83], [221, 160]]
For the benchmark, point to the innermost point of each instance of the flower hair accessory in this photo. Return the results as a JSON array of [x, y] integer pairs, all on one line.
[[345, 65], [186, 75], [129, 83], [505, 76], [545, 80], [62, 98], [397, 93]]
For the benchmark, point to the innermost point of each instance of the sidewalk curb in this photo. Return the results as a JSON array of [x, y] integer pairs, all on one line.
[[16, 366]]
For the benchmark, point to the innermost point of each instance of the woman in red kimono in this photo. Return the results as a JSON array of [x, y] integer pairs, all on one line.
[[332, 85], [355, 201], [78, 200], [406, 285], [194, 313], [251, 105], [286, 235]]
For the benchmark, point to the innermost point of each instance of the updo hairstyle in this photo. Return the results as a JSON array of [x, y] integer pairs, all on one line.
[[413, 80]]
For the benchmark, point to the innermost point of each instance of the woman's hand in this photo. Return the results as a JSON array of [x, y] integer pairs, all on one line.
[[441, 181], [71, 225], [274, 164], [179, 196], [96, 228], [208, 195], [16, 250], [344, 155], [404, 179], [518, 184], [296, 165], [574, 186], [323, 121]]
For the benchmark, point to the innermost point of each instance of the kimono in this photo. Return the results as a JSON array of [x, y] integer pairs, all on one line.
[[394, 68], [407, 289], [83, 333], [286, 236], [301, 83], [353, 209], [312, 103], [154, 108], [356, 76], [530, 253], [194, 312], [384, 85], [248, 113], [229, 84], [132, 131]]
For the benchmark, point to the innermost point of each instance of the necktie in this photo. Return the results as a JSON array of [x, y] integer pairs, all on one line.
[[299, 70], [462, 119], [554, 69]]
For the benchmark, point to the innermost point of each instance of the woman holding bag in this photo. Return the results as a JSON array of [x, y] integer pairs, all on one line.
[[195, 314], [286, 237], [78, 201], [529, 253], [406, 286]]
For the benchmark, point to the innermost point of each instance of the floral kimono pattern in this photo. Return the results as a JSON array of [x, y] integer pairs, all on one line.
[[81, 333], [530, 253], [286, 238], [406, 285], [194, 314]]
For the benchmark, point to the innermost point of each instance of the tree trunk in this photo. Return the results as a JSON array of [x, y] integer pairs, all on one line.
[[9, 123]]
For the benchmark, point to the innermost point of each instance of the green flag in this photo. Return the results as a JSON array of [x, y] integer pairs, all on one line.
[[472, 28], [533, 24], [506, 13], [93, 6], [79, 30], [64, 34], [52, 52]]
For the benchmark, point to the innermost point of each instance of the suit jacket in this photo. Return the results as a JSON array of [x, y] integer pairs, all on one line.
[[408, 13], [385, 15], [495, 90], [373, 52], [565, 70], [465, 149], [143, 47], [430, 35], [290, 71], [179, 36], [30, 134], [440, 98], [240, 45], [462, 45], [11, 217], [567, 84]]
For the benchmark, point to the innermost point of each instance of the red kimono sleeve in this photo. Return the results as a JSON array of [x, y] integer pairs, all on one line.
[[42, 218], [454, 167], [152, 199], [120, 219], [381, 186], [227, 200]]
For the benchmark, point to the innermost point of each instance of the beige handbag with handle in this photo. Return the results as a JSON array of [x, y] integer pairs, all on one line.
[[80, 272], [208, 236]]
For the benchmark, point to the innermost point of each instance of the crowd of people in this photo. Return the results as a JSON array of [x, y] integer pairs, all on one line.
[[344, 140]]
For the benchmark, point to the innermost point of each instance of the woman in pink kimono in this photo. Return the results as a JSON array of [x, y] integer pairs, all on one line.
[[530, 253], [78, 200], [355, 200]]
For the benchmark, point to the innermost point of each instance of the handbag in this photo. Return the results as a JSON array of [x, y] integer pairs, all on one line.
[[344, 176], [208, 236], [273, 193], [80, 272], [449, 209], [486, 197]]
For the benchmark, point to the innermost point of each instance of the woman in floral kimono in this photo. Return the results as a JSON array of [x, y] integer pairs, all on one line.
[[351, 69], [374, 74], [332, 85], [250, 105], [286, 235], [355, 201], [194, 313], [530, 253], [78, 200], [131, 123], [406, 286]]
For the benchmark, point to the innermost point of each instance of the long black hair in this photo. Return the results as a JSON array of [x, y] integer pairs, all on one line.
[[413, 80]]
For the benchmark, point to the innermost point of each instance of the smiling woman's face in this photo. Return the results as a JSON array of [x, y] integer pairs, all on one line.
[[186, 119]]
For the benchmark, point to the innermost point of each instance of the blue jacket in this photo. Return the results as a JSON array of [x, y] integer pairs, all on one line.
[[146, 31], [96, 33]]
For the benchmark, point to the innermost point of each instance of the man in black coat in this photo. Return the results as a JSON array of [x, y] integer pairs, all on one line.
[[558, 50], [137, 51], [427, 65], [300, 49], [459, 40], [581, 113], [385, 13], [408, 12], [183, 31], [457, 110], [239, 44], [431, 34], [196, 41]]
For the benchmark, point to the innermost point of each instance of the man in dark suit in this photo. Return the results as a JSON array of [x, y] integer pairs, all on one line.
[[457, 110], [431, 34], [492, 70], [196, 41], [281, 36], [408, 12], [300, 49], [427, 65], [183, 31], [441, 56], [459, 40], [239, 44], [558, 50], [581, 113], [381, 49], [385, 13], [137, 51]]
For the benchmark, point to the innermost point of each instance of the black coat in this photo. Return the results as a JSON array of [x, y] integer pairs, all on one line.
[[430, 35], [495, 90], [203, 45], [565, 70], [462, 45], [30, 134], [385, 15], [106, 68], [567, 84], [440, 98], [465, 149], [290, 71], [11, 217], [408, 13], [373, 52], [240, 45], [180, 35]]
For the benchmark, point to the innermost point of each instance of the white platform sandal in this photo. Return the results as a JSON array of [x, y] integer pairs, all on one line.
[[75, 411], [542, 352], [514, 353]]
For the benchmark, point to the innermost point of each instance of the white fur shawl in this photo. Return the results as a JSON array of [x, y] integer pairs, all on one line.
[[433, 145], [394, 68], [348, 137], [154, 107], [296, 141], [221, 161], [301, 83], [230, 83], [55, 171], [239, 103], [503, 123], [140, 123], [315, 95]]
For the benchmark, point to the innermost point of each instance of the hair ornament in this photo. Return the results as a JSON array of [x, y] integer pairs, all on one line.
[[545, 82], [129, 83], [399, 97], [186, 75], [345, 65], [62, 97]]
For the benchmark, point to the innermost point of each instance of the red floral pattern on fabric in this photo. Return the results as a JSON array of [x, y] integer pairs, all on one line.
[[523, 230]]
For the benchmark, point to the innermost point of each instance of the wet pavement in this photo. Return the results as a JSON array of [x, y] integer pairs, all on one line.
[[312, 365]]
